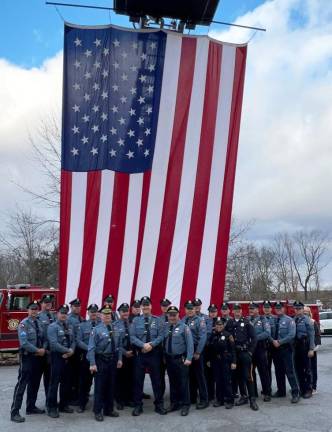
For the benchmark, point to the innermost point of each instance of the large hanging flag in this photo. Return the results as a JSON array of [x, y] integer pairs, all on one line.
[[149, 144]]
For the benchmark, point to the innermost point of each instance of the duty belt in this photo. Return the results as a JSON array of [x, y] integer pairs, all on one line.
[[175, 356]]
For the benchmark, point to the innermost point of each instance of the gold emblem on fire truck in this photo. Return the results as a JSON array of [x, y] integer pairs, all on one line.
[[13, 324]]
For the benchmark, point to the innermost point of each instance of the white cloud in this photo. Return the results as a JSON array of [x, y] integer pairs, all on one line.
[[27, 96]]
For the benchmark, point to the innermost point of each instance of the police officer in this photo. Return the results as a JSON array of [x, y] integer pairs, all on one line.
[[61, 339], [46, 317], [226, 315], [32, 349], [135, 310], [125, 375], [75, 319], [198, 306], [271, 319], [304, 349], [260, 359], [245, 344], [83, 337], [105, 356], [179, 350], [210, 326], [223, 360], [197, 379], [147, 334], [283, 343], [109, 301], [164, 305]]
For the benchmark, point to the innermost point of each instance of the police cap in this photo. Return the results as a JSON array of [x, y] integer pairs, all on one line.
[[46, 299], [145, 301], [109, 299], [173, 310], [165, 302], [33, 305], [106, 310], [237, 306], [136, 303], [298, 305], [267, 304], [197, 302], [189, 304], [75, 302], [278, 305], [212, 308], [64, 309], [124, 307], [220, 321], [93, 307], [225, 306], [253, 305]]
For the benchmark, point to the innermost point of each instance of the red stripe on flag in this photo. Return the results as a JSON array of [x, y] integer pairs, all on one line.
[[174, 171], [220, 264], [198, 214], [90, 232], [142, 219], [116, 235], [65, 209]]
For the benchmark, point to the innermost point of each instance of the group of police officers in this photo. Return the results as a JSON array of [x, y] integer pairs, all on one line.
[[207, 357]]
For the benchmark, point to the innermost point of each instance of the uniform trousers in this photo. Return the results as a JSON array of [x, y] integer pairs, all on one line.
[[28, 375], [303, 366], [197, 381], [85, 382], [221, 366], [60, 376], [245, 376], [105, 384], [284, 366], [149, 361], [178, 375], [124, 381], [260, 362]]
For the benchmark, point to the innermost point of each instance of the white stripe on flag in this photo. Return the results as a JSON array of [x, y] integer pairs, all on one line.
[[204, 283], [131, 237], [76, 235], [103, 229], [187, 188], [160, 164]]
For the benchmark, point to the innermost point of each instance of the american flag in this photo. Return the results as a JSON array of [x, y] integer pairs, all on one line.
[[149, 145]]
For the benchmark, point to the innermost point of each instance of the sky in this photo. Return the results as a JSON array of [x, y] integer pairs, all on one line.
[[284, 173]]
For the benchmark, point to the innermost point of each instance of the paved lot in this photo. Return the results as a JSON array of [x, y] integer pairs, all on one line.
[[314, 415]]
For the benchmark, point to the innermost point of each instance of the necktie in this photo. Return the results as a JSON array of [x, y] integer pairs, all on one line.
[[93, 324], [166, 318], [39, 344], [170, 336], [127, 340], [49, 316], [187, 320], [67, 337], [147, 330], [110, 330], [277, 328]]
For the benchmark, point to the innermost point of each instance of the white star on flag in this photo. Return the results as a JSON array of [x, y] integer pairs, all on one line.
[[130, 154]]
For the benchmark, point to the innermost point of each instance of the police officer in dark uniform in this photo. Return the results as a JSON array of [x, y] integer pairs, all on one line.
[[260, 359], [61, 339], [304, 349], [125, 375], [105, 356], [271, 319], [32, 349], [46, 317], [197, 379], [164, 305], [109, 301], [135, 310], [210, 326], [223, 360], [75, 319], [147, 334], [284, 363], [178, 350], [83, 337], [245, 344], [226, 315]]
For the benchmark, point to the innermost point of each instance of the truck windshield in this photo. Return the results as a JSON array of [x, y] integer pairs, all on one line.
[[19, 302]]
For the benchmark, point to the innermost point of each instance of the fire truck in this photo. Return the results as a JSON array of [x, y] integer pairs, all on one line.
[[13, 308]]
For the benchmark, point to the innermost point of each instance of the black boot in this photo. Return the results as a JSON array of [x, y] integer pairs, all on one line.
[[184, 411], [99, 417], [35, 410], [253, 404], [242, 401], [137, 411], [17, 418]]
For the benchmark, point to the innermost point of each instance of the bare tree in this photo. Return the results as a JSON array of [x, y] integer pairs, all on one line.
[[26, 242]]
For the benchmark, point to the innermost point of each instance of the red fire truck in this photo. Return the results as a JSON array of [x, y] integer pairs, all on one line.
[[13, 308]]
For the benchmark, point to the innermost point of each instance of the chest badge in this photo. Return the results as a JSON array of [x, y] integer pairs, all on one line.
[[242, 324]]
